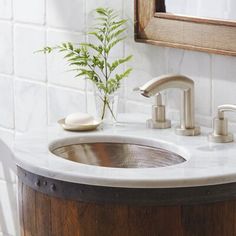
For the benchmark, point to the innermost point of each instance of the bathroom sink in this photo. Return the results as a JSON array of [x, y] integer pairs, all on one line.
[[116, 154]]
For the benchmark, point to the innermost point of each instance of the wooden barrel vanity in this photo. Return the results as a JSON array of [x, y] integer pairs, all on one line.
[[125, 191], [51, 207]]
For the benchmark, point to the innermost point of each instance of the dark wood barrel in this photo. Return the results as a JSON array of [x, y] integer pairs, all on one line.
[[58, 208]]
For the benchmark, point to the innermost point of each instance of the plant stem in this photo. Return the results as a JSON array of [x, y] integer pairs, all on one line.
[[103, 108], [110, 109], [106, 104]]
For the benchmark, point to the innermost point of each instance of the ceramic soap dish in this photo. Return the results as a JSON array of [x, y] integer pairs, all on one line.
[[79, 127]]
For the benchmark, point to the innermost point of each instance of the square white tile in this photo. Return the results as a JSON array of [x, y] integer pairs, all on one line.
[[30, 11], [30, 105], [6, 102], [63, 102], [196, 66], [28, 64], [91, 6], [148, 62], [5, 9], [6, 48], [57, 67], [224, 83], [68, 15]]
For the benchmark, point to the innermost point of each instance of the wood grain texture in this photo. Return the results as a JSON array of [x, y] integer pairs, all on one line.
[[29, 211], [144, 13], [20, 205], [207, 35], [44, 215], [214, 219]]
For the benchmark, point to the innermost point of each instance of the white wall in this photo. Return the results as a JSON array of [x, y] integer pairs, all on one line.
[[36, 90]]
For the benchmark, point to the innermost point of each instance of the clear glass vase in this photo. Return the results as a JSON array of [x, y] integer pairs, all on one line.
[[106, 107]]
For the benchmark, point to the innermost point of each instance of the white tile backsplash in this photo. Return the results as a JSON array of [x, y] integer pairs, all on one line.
[[114, 4], [48, 22], [6, 47], [137, 107], [36, 89], [68, 16], [128, 15], [198, 67], [31, 11], [28, 64], [117, 5], [62, 102], [30, 105], [91, 5], [6, 102], [57, 68], [224, 82], [5, 9], [148, 62]]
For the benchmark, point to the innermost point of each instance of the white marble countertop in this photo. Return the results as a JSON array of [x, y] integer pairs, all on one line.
[[206, 163]]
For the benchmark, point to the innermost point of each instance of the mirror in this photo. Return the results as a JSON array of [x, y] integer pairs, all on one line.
[[215, 9], [200, 25]]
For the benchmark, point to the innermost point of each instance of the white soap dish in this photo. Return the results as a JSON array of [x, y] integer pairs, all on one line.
[[79, 127]]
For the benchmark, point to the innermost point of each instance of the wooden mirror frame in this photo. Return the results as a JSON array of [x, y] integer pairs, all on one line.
[[192, 33]]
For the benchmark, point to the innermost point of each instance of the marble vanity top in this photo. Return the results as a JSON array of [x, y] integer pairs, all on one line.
[[206, 163]]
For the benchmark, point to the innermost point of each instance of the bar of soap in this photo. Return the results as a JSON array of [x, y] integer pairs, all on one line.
[[79, 119]]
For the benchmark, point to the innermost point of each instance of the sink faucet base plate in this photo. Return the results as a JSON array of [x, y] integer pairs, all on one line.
[[188, 132], [221, 138], [158, 125]]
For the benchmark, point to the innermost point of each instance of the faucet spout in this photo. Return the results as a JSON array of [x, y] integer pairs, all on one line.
[[164, 82], [156, 85]]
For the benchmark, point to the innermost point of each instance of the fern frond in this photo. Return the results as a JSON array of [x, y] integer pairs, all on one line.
[[119, 62]]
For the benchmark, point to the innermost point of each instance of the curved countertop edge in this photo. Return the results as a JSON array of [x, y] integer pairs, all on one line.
[[208, 164]]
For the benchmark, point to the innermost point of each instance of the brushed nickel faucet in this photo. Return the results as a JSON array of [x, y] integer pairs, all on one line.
[[187, 124], [220, 132]]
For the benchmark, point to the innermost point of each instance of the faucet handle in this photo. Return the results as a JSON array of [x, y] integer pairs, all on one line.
[[220, 132], [158, 120]]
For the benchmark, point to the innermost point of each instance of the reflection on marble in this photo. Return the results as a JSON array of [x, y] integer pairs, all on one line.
[[219, 9]]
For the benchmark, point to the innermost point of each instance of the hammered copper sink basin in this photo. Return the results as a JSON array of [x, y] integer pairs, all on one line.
[[118, 155]]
